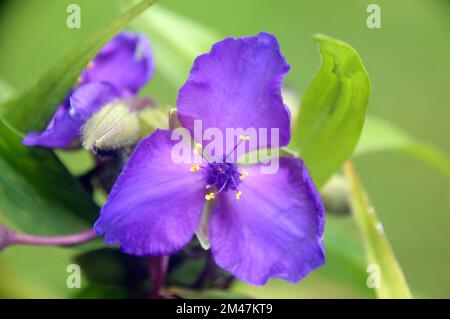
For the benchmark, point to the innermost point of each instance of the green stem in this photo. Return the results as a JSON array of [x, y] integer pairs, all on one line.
[[390, 281]]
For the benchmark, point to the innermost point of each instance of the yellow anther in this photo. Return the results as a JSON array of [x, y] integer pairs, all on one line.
[[195, 168], [90, 65], [210, 196], [238, 195], [245, 137], [197, 148], [79, 79], [244, 174]]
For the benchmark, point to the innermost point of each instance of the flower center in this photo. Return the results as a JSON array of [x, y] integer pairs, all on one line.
[[223, 176]]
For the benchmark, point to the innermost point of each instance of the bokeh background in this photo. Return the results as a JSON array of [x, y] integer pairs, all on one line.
[[409, 66]]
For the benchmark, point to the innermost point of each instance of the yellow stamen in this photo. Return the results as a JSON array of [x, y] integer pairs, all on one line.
[[197, 148], [244, 174], [90, 65], [238, 195], [245, 137], [195, 168], [79, 79], [210, 196]]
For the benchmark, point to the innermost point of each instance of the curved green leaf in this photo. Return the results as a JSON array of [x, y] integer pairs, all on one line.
[[37, 193], [379, 251], [333, 110], [43, 98], [379, 135]]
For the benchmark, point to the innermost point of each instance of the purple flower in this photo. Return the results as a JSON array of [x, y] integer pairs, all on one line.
[[261, 226], [119, 70]]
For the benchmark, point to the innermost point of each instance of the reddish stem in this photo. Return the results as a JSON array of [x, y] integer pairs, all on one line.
[[157, 270], [9, 238]]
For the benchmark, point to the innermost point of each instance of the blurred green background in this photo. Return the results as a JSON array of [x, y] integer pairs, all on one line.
[[409, 66]]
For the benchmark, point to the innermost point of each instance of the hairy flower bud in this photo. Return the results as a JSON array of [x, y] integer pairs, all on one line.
[[114, 126]]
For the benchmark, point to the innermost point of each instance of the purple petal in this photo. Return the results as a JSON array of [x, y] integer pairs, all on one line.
[[126, 62], [64, 127], [155, 205], [89, 98], [274, 230], [238, 85], [60, 133]]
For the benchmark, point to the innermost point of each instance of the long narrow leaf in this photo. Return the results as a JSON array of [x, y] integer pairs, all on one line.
[[392, 283], [37, 194], [381, 136]]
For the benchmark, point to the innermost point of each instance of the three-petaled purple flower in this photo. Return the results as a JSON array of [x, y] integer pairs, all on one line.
[[118, 71], [261, 226]]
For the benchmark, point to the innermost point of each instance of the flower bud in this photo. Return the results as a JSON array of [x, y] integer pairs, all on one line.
[[114, 126], [335, 196]]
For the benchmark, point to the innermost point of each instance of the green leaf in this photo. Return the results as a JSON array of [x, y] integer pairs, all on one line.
[[379, 251], [37, 193], [333, 110], [32, 109], [380, 136]]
